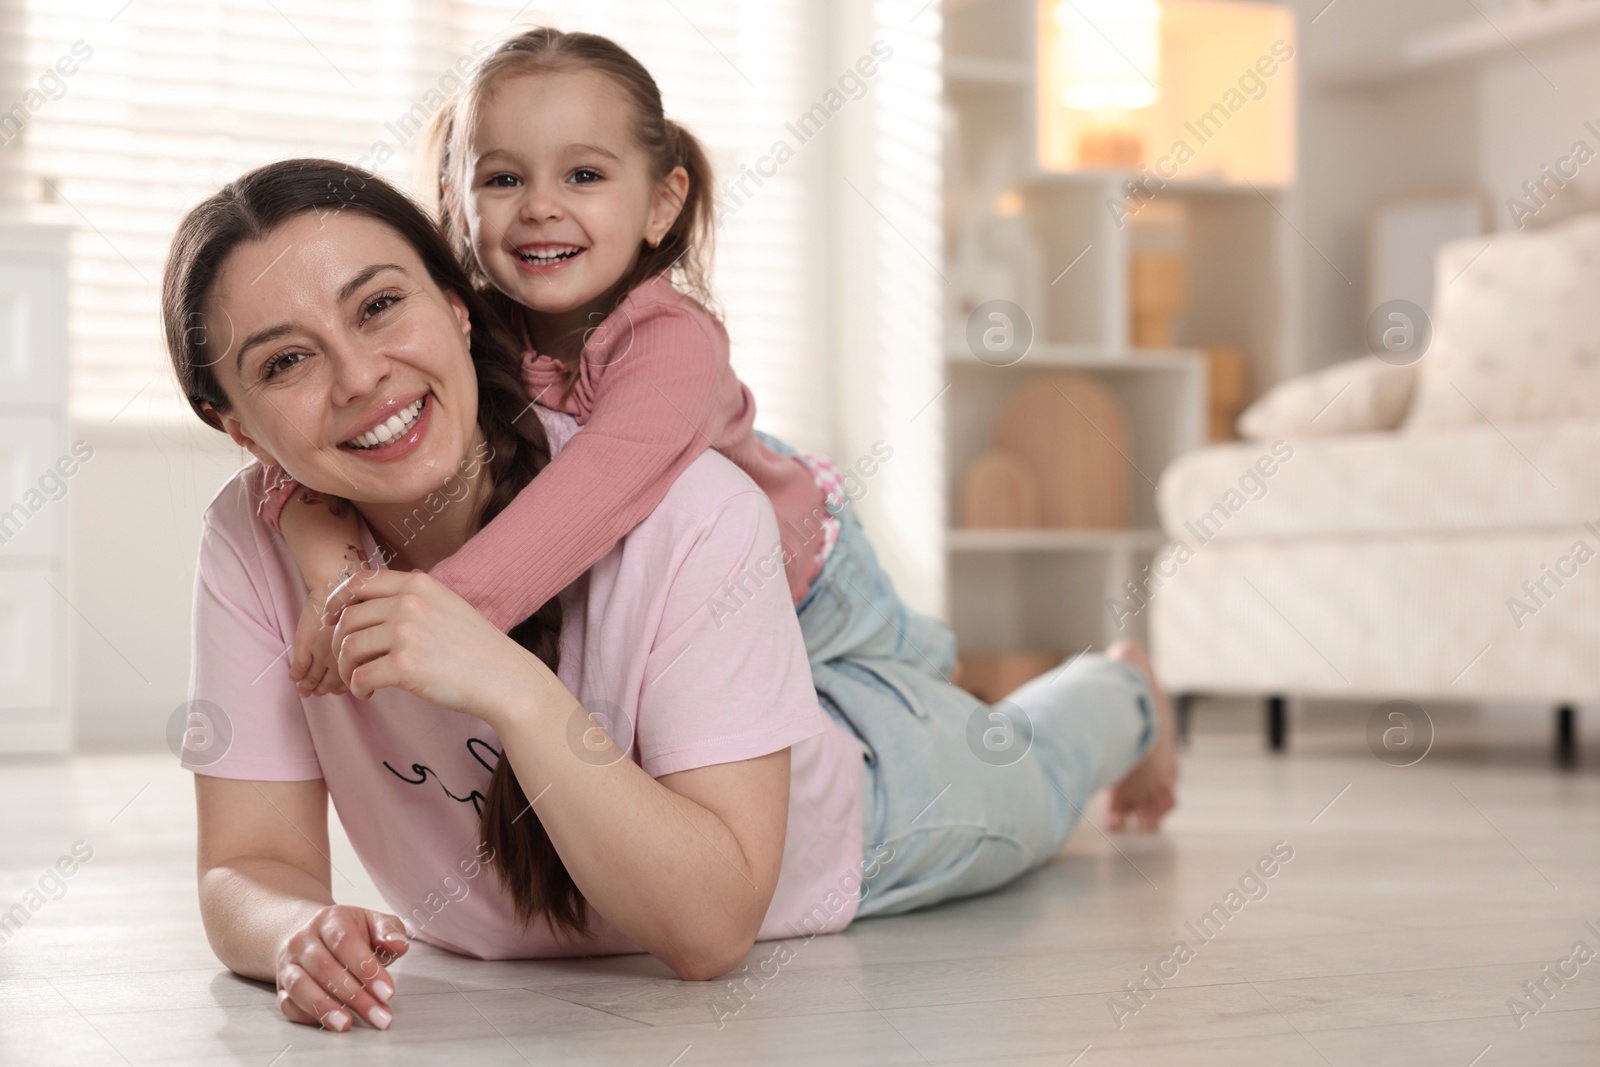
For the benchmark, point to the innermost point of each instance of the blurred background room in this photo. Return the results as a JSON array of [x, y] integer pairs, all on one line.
[[1265, 333]]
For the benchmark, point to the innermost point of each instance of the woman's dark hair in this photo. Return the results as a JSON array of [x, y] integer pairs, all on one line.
[[685, 249], [247, 210]]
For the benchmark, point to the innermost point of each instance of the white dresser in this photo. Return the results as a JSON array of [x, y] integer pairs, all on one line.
[[39, 468]]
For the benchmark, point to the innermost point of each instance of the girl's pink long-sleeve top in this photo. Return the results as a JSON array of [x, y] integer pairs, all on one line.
[[654, 390]]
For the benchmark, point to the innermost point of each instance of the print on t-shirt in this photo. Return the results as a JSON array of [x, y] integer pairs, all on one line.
[[422, 771]]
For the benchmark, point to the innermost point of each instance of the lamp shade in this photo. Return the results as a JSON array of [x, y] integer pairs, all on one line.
[[1108, 53], [1225, 108]]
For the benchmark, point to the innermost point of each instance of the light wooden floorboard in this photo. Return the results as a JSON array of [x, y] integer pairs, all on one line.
[[1414, 907]]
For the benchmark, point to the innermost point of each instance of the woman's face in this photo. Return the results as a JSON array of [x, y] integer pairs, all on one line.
[[342, 361]]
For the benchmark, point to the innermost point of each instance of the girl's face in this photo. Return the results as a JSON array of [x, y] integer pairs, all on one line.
[[328, 329], [560, 193]]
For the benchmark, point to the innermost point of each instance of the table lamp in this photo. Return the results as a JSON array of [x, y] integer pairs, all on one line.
[[1108, 61]]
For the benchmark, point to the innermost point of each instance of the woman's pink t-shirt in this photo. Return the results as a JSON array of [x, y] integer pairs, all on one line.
[[639, 644]]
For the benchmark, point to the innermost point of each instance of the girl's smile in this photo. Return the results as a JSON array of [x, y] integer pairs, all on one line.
[[545, 259], [561, 197]]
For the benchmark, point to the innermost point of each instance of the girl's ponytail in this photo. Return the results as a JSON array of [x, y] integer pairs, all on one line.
[[687, 247], [441, 187], [432, 159]]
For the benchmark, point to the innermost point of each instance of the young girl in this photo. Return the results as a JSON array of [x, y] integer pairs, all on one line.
[[570, 195]]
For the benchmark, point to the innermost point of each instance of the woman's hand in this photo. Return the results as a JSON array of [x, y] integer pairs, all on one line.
[[336, 964], [404, 629]]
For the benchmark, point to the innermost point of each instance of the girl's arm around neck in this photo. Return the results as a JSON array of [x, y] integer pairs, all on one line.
[[654, 409]]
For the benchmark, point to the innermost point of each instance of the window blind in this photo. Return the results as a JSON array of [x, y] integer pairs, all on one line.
[[179, 96]]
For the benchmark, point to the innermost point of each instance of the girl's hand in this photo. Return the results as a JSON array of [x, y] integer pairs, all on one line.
[[404, 629], [336, 964], [312, 665]]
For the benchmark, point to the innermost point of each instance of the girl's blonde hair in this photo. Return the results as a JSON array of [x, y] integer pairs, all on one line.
[[686, 248]]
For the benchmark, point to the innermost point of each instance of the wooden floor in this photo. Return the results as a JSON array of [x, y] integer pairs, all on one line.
[[1418, 901]]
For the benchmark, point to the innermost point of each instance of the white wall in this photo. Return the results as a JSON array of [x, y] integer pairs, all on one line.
[[1487, 127], [1528, 121], [1356, 147], [135, 533]]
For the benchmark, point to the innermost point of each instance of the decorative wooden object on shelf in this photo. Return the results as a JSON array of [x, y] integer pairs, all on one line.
[[999, 492], [1110, 146], [1229, 391], [1160, 295], [1070, 431], [991, 676]]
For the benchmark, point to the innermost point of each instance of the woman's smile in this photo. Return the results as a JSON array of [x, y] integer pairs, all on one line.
[[391, 429], [355, 375]]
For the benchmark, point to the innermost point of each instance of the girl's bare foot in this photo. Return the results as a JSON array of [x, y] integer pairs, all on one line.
[[1147, 792]]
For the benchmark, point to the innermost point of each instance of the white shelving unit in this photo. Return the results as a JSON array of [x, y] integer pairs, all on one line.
[[1048, 589], [35, 698]]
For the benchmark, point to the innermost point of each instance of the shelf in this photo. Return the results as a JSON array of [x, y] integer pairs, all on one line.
[[1465, 41], [1014, 72], [1052, 540], [1091, 357], [1049, 587], [1115, 176]]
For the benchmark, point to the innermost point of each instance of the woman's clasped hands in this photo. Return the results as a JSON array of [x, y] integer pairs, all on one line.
[[404, 629]]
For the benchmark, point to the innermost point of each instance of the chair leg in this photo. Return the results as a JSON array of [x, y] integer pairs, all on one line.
[[1566, 735], [1182, 709], [1277, 723]]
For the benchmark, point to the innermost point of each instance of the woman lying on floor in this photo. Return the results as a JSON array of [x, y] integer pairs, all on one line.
[[629, 770]]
